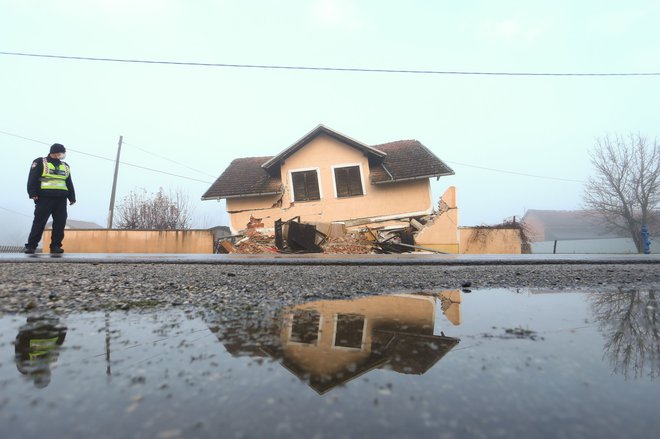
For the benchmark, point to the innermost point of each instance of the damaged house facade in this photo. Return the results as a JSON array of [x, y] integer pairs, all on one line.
[[328, 177]]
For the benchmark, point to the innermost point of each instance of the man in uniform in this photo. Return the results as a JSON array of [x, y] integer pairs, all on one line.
[[50, 185]]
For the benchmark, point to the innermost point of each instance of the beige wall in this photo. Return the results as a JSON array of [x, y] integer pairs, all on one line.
[[415, 312], [321, 154], [134, 241], [479, 240], [442, 234]]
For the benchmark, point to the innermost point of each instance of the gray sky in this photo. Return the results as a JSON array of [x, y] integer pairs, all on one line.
[[203, 117]]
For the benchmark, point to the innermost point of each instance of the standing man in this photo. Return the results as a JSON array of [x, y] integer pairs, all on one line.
[[50, 185]]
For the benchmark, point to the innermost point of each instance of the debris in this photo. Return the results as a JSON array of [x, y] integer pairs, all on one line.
[[227, 246], [255, 223], [416, 224], [399, 240], [354, 243], [296, 237]]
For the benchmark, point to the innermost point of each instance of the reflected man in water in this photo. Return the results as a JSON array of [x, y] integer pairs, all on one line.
[[37, 347]]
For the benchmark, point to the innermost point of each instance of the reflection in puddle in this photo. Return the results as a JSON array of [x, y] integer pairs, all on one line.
[[37, 346], [328, 343], [630, 322], [521, 364]]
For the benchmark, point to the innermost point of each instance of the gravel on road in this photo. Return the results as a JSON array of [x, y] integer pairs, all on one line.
[[71, 287]]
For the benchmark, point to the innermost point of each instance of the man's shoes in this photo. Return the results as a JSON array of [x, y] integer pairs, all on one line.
[[28, 250], [56, 250]]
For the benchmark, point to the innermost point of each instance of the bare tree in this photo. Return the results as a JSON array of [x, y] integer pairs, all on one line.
[[626, 188], [160, 211], [630, 323]]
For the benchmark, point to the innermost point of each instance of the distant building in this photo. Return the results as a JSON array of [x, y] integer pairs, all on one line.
[[575, 231]]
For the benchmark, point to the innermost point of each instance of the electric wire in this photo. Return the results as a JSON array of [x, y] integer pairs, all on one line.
[[168, 159], [504, 171], [111, 159], [15, 212], [327, 68], [515, 172]]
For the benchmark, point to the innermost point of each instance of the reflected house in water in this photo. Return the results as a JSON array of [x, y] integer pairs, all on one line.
[[328, 343]]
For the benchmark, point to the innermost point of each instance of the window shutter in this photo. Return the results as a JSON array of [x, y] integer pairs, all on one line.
[[354, 181], [312, 186], [341, 180], [348, 181], [299, 186], [305, 186]]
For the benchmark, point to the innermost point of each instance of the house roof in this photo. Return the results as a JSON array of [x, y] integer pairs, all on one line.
[[407, 160], [321, 129], [406, 353], [389, 163], [244, 177]]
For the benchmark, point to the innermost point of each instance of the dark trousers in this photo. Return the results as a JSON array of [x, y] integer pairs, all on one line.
[[44, 207]]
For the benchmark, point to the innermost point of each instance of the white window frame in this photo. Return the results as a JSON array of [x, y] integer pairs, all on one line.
[[348, 165], [346, 348], [318, 178], [319, 332]]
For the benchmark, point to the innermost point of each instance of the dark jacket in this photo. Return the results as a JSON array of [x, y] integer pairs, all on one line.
[[34, 183]]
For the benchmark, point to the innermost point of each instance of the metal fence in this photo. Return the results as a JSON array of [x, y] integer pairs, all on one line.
[[11, 249]]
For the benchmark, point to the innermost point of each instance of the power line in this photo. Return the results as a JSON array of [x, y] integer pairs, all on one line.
[[168, 159], [15, 211], [112, 160], [504, 171], [515, 173], [326, 69]]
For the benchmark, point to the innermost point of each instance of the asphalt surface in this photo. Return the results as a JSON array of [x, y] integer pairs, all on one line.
[[154, 358], [247, 282], [324, 259]]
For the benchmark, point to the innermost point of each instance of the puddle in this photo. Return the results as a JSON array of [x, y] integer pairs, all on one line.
[[454, 364]]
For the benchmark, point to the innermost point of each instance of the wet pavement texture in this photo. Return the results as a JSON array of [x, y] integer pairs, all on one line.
[[403, 259], [451, 363]]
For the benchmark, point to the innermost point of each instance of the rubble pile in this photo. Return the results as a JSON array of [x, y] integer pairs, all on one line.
[[256, 242], [349, 244]]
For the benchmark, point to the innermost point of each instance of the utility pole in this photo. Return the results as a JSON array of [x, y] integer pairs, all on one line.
[[114, 185]]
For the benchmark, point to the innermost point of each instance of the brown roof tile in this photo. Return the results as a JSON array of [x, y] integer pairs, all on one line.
[[407, 160], [404, 160], [244, 176]]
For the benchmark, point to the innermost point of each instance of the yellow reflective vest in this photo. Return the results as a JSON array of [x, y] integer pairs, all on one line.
[[53, 177]]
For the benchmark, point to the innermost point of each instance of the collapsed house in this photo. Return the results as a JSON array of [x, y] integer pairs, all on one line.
[[358, 198]]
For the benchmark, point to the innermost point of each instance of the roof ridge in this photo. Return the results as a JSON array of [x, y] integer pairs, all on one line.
[[321, 129]]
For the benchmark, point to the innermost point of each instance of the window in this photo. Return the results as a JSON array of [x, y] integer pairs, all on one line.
[[305, 186], [305, 327], [348, 181], [349, 331]]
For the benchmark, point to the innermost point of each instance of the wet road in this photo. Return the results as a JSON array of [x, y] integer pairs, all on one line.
[[241, 346], [488, 363], [323, 259]]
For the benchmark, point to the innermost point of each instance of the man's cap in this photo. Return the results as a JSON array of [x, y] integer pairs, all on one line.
[[56, 148]]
